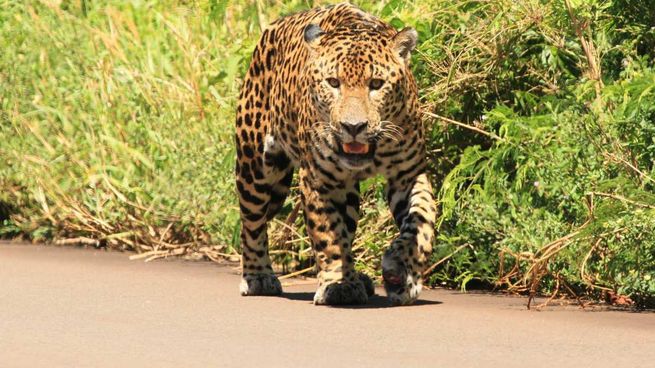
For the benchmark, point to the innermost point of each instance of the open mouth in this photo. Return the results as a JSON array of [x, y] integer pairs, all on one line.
[[355, 148], [357, 153]]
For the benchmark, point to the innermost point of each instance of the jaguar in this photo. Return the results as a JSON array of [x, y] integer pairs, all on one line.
[[329, 92]]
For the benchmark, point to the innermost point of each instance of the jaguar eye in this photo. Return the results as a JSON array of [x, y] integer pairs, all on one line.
[[375, 84], [333, 82]]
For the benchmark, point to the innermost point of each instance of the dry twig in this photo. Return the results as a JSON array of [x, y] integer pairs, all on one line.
[[444, 259], [297, 273], [470, 127]]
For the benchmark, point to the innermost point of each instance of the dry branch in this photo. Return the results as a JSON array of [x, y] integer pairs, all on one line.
[[297, 273], [470, 127]]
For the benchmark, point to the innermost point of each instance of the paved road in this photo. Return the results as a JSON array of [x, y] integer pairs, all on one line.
[[67, 307]]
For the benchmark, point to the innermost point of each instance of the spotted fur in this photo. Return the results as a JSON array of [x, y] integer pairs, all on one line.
[[329, 91]]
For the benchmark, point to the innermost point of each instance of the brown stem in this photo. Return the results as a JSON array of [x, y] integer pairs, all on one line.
[[589, 49]]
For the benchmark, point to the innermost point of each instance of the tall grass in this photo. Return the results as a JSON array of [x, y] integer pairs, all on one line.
[[117, 122]]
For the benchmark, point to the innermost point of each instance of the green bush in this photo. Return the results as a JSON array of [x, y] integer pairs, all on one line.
[[117, 122]]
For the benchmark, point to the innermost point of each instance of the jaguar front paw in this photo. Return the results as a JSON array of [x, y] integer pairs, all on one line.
[[402, 284], [343, 293], [260, 284]]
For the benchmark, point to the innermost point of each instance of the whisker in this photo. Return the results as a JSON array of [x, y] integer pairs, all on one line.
[[390, 126], [390, 136], [390, 131]]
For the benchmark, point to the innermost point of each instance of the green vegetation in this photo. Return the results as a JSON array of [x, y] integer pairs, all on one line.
[[116, 125]]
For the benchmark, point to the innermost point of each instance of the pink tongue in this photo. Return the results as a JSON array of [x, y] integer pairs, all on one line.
[[354, 147]]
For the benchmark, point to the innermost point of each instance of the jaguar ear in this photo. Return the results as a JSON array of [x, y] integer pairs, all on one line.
[[404, 43], [312, 35]]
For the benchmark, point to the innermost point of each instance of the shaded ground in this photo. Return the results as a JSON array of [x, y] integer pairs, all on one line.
[[63, 307]]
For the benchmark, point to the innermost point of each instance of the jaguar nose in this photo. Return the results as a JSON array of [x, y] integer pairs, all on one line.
[[354, 128]]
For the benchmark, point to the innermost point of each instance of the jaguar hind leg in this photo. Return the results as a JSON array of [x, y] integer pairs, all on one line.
[[263, 185], [263, 178]]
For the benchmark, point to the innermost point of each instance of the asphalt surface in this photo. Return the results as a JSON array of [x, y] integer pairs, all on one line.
[[70, 307]]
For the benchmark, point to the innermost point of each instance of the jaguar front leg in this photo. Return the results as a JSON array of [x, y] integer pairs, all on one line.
[[414, 211], [331, 212]]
